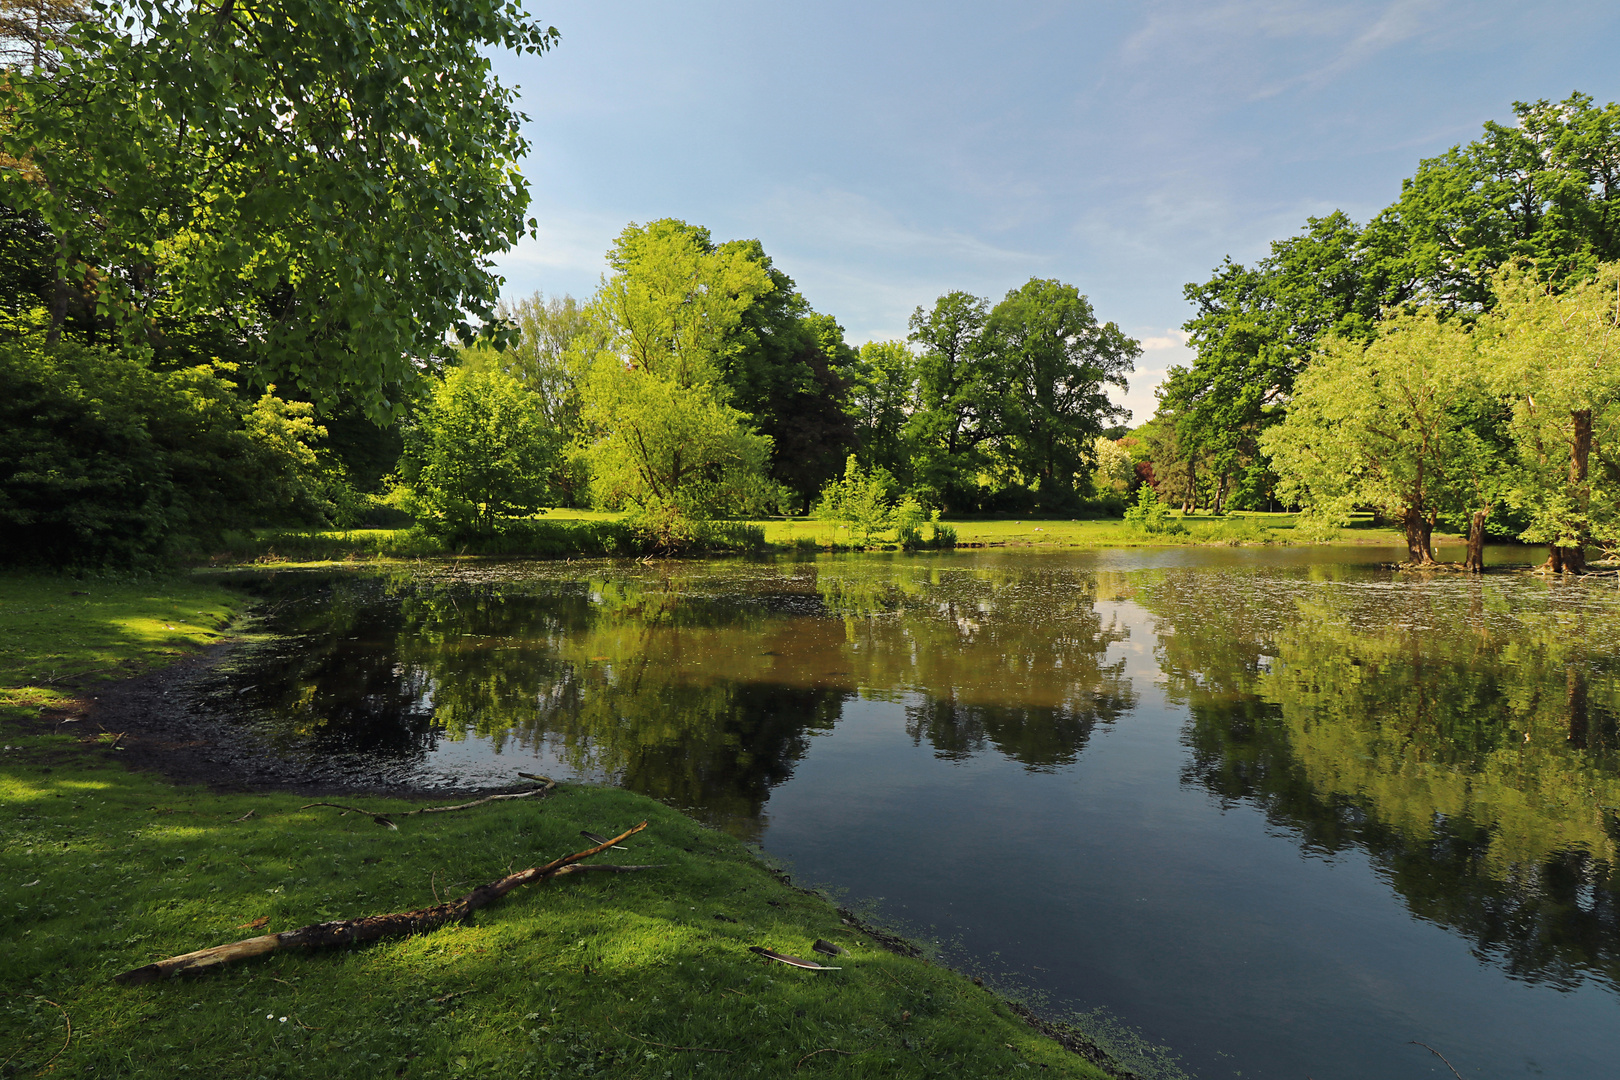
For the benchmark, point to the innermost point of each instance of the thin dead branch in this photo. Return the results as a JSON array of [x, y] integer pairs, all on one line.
[[374, 927], [1439, 1055], [791, 961], [823, 1050], [385, 819], [667, 1046]]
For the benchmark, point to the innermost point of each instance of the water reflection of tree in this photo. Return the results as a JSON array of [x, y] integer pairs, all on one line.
[[1462, 734], [1003, 656], [698, 685]]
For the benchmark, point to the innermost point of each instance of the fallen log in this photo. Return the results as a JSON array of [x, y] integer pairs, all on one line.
[[383, 819], [374, 927]]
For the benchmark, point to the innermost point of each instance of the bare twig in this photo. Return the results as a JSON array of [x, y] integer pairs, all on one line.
[[374, 927], [1439, 1055], [244, 817], [823, 1050], [66, 1019], [383, 819], [667, 1046]]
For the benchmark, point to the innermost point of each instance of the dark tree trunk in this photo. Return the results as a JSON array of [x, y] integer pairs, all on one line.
[[1580, 450], [1555, 559], [1575, 699], [1419, 529], [1573, 559], [1475, 560]]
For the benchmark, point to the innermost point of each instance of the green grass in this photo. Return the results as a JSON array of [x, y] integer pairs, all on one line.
[[102, 870]]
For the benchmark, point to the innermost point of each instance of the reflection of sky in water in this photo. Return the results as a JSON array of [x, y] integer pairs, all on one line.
[[1280, 811]]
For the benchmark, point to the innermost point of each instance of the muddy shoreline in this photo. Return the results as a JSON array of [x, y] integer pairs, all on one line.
[[167, 725]]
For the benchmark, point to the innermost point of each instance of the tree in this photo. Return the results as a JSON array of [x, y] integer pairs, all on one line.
[[1115, 471], [1558, 364], [660, 434], [953, 385], [326, 180], [480, 452], [1546, 190], [33, 33], [881, 400], [1052, 364], [1378, 425], [1256, 328], [106, 461]]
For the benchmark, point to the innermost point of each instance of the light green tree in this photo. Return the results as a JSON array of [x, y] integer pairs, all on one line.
[[660, 435], [1115, 471], [1379, 425], [479, 453], [881, 400], [1557, 360]]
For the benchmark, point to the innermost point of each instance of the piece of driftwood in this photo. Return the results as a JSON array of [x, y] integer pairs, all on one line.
[[384, 819], [374, 927], [791, 961]]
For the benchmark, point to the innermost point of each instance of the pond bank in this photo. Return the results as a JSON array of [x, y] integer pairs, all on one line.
[[103, 868]]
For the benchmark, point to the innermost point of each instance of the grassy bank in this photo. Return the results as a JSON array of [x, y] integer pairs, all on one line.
[[587, 534], [646, 975]]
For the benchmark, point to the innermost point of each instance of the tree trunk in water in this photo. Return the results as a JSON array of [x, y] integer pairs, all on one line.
[[1418, 530], [1475, 560], [1580, 449]]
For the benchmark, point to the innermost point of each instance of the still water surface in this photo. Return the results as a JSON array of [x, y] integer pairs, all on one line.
[[1282, 810]]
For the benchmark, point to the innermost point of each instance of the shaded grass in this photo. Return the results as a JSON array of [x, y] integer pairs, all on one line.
[[59, 633], [102, 870]]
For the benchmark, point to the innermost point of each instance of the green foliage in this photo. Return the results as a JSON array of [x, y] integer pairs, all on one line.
[[881, 398], [333, 176], [107, 461], [660, 435], [479, 453], [1053, 363], [1151, 516], [1542, 190], [1381, 426], [1555, 362], [862, 501]]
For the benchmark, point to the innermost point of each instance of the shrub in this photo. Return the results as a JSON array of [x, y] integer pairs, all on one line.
[[479, 454], [106, 461], [1150, 515]]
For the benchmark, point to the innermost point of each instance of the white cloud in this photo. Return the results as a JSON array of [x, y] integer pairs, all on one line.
[[1162, 349]]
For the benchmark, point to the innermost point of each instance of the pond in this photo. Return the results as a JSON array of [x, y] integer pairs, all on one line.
[[1283, 810]]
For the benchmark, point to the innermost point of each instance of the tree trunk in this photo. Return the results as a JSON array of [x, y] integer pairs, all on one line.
[[1580, 449], [1555, 559], [1475, 560], [1419, 529]]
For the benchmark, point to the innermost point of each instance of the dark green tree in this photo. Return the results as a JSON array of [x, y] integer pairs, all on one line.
[[1052, 364], [955, 383]]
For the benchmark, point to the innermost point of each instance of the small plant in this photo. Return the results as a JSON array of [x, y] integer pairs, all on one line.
[[861, 502], [1151, 516]]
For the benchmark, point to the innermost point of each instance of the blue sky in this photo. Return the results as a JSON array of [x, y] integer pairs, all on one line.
[[886, 153]]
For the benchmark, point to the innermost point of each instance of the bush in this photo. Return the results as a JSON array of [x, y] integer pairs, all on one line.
[[479, 454], [108, 462], [1150, 515]]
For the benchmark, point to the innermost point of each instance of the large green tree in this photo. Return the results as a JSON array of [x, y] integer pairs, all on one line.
[[954, 386], [660, 433], [1556, 363], [1381, 425], [1053, 363], [326, 180]]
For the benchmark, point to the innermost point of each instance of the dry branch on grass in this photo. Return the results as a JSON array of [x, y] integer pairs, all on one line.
[[383, 819], [374, 927]]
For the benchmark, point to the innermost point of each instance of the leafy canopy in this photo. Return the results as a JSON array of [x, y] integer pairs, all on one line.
[[328, 180]]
